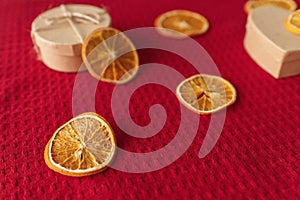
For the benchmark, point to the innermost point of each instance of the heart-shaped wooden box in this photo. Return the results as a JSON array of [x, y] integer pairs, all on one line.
[[270, 44]]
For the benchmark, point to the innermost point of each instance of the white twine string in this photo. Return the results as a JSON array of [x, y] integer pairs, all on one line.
[[68, 16], [94, 18], [83, 18]]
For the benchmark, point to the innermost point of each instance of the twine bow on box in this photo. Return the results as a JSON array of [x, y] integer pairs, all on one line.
[[71, 17], [76, 16]]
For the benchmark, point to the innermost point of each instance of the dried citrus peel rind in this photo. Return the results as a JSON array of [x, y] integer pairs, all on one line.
[[110, 56], [181, 23], [205, 94], [285, 4], [83, 146], [293, 22]]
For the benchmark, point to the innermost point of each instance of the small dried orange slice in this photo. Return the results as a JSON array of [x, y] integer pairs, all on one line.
[[293, 22], [205, 94], [286, 4], [83, 146], [185, 22], [110, 56]]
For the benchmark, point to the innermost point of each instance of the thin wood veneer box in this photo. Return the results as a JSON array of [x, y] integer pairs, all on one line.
[[58, 34], [270, 44]]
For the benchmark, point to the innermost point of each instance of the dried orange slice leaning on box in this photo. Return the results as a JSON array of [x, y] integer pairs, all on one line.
[[110, 56], [286, 4], [183, 21], [83, 146], [293, 22], [205, 94]]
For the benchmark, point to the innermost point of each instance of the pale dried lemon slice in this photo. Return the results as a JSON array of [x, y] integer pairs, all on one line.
[[285, 4], [83, 146], [205, 94], [293, 22], [110, 56], [185, 22]]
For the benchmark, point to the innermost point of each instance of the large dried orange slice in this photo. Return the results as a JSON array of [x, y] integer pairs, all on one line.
[[286, 4], [205, 94], [110, 56], [293, 22], [181, 23], [83, 146]]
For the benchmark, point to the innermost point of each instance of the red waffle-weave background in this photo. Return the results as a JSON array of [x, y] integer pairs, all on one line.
[[257, 155]]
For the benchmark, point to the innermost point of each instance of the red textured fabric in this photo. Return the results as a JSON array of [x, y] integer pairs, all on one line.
[[256, 157]]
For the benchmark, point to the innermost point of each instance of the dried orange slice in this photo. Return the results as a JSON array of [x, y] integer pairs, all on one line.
[[205, 94], [83, 146], [185, 22], [286, 4], [110, 56], [293, 22]]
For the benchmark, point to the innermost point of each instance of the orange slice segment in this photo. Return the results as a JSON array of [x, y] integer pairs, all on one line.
[[205, 94], [286, 4], [293, 22], [183, 21], [83, 146], [110, 56]]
